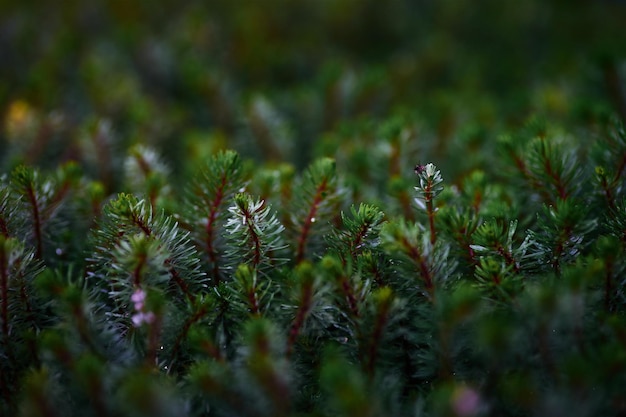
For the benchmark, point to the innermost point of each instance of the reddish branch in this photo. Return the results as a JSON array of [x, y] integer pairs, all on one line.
[[310, 218], [30, 192], [349, 293], [210, 228], [508, 257], [521, 166], [303, 311], [558, 251], [137, 271], [428, 197], [607, 192], [141, 224], [253, 300], [179, 281], [256, 240], [431, 221], [415, 254], [359, 238], [558, 181]]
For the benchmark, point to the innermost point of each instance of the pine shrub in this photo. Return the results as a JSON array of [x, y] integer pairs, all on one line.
[[499, 296], [313, 208]]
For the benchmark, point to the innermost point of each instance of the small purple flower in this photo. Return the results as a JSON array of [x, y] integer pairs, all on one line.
[[141, 318], [138, 298]]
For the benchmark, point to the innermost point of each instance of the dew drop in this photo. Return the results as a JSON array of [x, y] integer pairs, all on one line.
[[313, 219]]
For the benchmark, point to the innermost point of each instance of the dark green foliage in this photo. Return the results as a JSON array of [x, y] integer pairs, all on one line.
[[22, 316], [315, 201], [208, 198], [355, 313], [313, 208]]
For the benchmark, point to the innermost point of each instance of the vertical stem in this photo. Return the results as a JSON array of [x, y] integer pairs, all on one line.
[[309, 220], [416, 256], [428, 198], [349, 294], [431, 220], [253, 300], [179, 281], [210, 229], [36, 220], [256, 240], [303, 310]]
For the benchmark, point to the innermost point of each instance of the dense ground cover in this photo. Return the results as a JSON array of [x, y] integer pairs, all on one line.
[[313, 208]]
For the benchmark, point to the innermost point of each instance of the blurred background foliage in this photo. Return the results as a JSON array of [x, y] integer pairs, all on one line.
[[287, 81]]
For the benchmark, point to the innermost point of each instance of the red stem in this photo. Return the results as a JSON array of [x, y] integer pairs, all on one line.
[[137, 271], [431, 221], [253, 300], [558, 181], [510, 261], [347, 290], [255, 239], [180, 282], [140, 223], [360, 237], [415, 254], [558, 252], [36, 220], [210, 229], [428, 197], [303, 311], [521, 166], [306, 227]]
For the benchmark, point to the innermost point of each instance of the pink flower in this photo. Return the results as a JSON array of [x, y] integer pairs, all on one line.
[[141, 318], [138, 298]]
